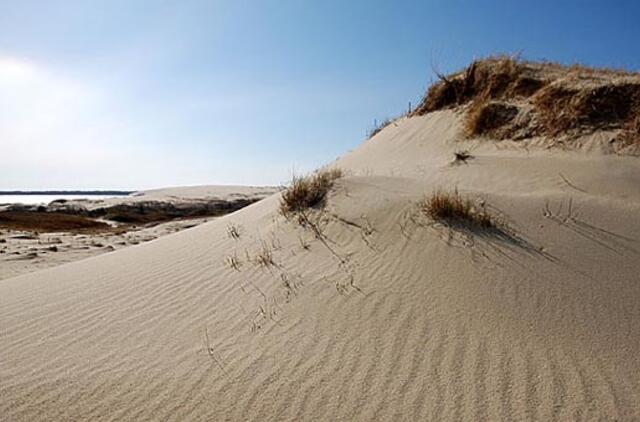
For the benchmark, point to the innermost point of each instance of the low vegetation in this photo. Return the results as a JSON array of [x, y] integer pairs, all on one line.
[[451, 209], [50, 222], [562, 108], [377, 127], [461, 157], [483, 80], [505, 97], [308, 191], [488, 118]]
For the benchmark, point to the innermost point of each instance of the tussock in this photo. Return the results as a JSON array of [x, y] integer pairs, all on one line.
[[452, 209], [308, 191], [561, 109], [506, 97], [483, 80], [486, 118]]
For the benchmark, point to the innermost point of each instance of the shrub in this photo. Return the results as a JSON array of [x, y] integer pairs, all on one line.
[[453, 210], [308, 191]]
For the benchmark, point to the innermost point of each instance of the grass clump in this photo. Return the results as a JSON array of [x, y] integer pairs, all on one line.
[[452, 209], [308, 191], [488, 117], [563, 108], [491, 78]]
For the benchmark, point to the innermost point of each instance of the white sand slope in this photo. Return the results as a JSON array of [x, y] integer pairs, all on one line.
[[184, 195], [387, 317]]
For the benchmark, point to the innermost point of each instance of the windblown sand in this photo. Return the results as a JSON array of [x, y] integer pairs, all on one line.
[[22, 252], [386, 316]]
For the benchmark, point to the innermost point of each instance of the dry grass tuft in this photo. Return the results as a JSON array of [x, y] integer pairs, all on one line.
[[486, 118], [561, 109], [483, 80], [453, 210], [308, 191], [462, 156]]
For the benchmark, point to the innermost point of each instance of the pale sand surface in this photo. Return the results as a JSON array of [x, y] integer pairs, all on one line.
[[24, 252], [388, 318], [183, 195]]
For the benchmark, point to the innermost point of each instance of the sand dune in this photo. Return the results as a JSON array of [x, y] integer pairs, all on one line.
[[386, 317]]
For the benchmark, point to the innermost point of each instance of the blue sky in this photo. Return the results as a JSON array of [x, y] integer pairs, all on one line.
[[140, 94]]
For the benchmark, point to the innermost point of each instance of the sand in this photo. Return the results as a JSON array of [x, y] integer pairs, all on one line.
[[22, 252], [386, 317]]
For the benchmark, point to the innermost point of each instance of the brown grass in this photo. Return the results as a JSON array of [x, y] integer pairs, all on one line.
[[487, 117], [491, 78], [50, 222], [561, 99], [561, 109], [308, 191], [453, 210]]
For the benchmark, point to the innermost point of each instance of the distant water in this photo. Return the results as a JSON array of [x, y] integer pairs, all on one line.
[[45, 199]]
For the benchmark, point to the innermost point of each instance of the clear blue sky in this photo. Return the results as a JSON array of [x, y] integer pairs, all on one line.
[[140, 94]]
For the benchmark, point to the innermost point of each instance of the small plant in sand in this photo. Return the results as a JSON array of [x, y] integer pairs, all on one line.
[[233, 262], [264, 258], [308, 191], [452, 209], [462, 157], [377, 127], [233, 231]]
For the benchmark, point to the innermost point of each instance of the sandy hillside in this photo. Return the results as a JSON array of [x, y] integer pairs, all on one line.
[[24, 251], [383, 315], [184, 195]]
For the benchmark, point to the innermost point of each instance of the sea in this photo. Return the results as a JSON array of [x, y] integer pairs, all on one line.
[[46, 199]]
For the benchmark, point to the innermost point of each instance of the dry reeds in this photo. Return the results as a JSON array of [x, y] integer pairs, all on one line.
[[486, 118], [560, 108], [308, 191], [451, 209], [483, 80]]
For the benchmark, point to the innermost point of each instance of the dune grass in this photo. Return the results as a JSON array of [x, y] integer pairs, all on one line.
[[308, 191], [483, 80], [452, 209]]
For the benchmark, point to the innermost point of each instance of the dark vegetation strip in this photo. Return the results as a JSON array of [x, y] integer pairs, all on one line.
[[83, 221]]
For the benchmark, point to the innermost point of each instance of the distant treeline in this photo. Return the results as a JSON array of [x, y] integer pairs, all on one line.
[[66, 192]]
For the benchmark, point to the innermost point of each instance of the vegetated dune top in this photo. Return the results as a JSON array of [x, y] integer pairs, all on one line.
[[373, 313], [506, 98]]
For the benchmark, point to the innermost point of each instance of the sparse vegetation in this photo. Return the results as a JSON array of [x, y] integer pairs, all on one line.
[[561, 108], [377, 127], [486, 79], [233, 231], [264, 258], [233, 262], [50, 222], [507, 98], [488, 117], [452, 209], [308, 191], [461, 156]]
